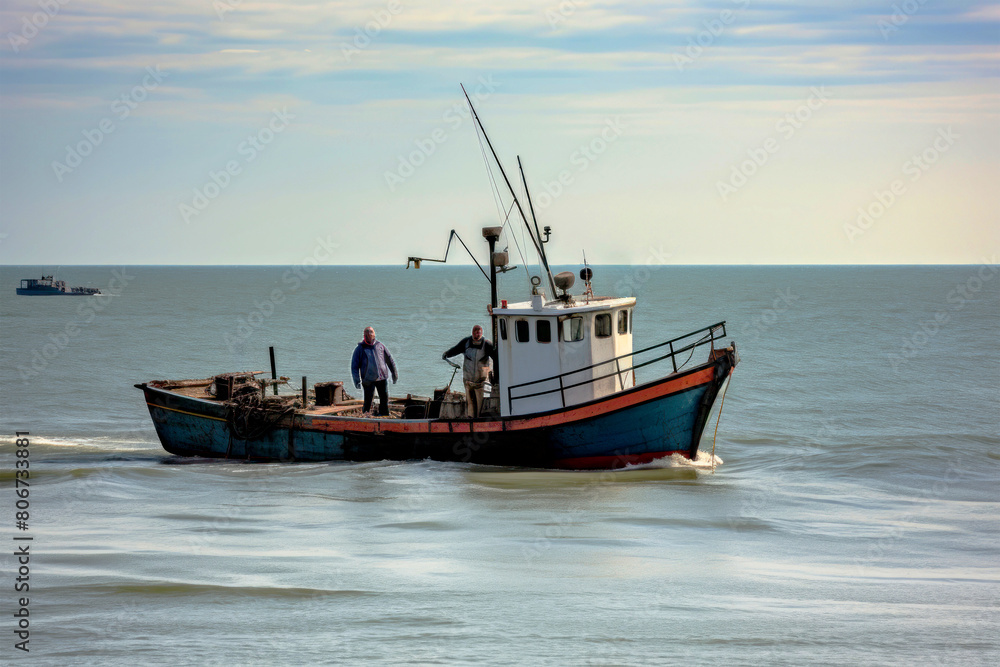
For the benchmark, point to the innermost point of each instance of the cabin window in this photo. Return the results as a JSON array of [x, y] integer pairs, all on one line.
[[622, 322], [602, 325], [521, 331], [631, 320], [543, 331], [572, 328], [503, 328]]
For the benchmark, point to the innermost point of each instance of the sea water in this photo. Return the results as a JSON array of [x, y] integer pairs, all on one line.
[[850, 514]]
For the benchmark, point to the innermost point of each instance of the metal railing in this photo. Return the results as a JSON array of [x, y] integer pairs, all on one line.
[[676, 346]]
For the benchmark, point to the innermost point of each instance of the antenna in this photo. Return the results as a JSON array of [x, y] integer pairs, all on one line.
[[586, 274]]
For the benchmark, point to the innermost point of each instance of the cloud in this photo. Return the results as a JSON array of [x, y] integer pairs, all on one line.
[[589, 36], [368, 79]]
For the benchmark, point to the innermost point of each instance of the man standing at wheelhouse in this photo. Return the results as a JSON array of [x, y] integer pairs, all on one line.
[[477, 351], [370, 368]]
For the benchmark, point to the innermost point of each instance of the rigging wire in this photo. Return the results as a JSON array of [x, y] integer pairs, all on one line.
[[524, 263], [480, 129], [509, 233], [497, 200], [525, 242], [538, 257], [498, 196], [513, 234], [507, 217]]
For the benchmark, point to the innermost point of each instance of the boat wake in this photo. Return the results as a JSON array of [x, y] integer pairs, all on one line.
[[704, 461], [669, 468]]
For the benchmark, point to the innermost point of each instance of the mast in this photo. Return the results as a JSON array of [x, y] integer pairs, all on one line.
[[492, 234], [531, 207], [536, 241]]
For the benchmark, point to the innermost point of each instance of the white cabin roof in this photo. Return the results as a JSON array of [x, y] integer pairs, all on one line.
[[555, 307]]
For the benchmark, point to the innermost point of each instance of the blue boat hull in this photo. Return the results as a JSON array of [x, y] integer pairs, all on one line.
[[50, 292], [638, 425], [40, 292]]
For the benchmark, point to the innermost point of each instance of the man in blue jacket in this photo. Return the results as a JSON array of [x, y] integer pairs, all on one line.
[[370, 369]]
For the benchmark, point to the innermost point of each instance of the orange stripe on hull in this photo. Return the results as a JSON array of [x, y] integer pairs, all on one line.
[[613, 402], [570, 415]]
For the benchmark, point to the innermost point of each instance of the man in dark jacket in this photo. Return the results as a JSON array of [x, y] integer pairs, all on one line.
[[370, 367], [477, 352]]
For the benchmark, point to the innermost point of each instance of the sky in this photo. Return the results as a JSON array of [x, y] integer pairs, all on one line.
[[703, 132]]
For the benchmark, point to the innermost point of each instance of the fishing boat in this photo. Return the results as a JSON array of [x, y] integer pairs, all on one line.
[[567, 389], [47, 286]]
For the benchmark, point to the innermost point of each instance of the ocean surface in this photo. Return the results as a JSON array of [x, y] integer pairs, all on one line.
[[852, 516]]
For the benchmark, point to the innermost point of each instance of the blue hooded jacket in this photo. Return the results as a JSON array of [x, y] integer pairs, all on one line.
[[361, 368]]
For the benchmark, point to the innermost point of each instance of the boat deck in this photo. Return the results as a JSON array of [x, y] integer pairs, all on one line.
[[350, 407]]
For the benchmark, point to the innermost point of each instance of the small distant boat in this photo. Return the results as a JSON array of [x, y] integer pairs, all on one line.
[[46, 286]]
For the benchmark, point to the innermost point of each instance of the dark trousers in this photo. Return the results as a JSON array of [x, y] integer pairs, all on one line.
[[383, 396]]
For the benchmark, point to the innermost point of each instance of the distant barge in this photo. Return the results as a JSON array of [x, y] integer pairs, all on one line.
[[46, 286]]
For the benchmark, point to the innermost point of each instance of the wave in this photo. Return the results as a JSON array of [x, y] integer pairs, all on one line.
[[123, 442], [419, 525], [739, 524], [860, 456], [219, 591], [53, 475], [515, 479]]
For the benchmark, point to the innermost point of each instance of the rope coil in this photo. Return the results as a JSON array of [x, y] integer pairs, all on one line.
[[249, 417]]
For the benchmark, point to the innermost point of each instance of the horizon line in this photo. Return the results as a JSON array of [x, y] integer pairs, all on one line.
[[469, 266]]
